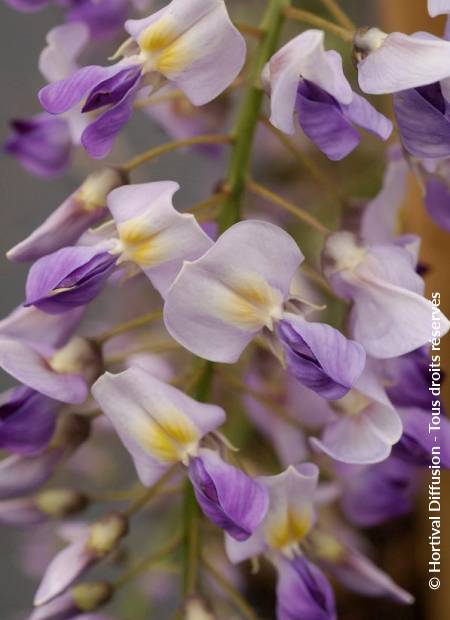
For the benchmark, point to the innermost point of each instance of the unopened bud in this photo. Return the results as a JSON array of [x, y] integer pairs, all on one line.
[[93, 192], [92, 595], [106, 533], [79, 356], [365, 41], [197, 609], [60, 503]]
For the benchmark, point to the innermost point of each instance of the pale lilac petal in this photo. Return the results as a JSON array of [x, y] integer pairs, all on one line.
[[40, 329], [303, 592], [62, 571], [60, 96], [320, 357], [104, 19], [154, 235], [20, 475], [141, 408], [20, 513], [228, 497], [303, 57], [438, 7], [64, 44], [403, 61], [61, 608], [27, 6], [417, 441], [209, 308], [358, 573], [380, 216], [30, 368]]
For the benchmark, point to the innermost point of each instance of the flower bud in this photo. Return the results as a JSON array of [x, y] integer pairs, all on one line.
[[92, 595], [79, 356], [93, 192], [60, 503], [106, 533], [365, 41], [197, 609]]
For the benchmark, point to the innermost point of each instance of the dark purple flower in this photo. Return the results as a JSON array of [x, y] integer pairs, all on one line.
[[68, 278], [27, 420], [228, 497], [408, 379], [437, 199], [320, 357], [41, 143], [417, 441], [423, 121], [381, 492], [330, 124], [303, 592]]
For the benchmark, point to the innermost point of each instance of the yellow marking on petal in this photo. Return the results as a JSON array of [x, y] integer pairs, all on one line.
[[250, 303], [328, 546], [170, 436], [158, 35], [174, 58], [142, 245], [288, 529]]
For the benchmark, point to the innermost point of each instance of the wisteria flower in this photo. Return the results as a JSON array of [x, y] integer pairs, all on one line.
[[382, 282], [306, 81], [158, 424], [149, 235], [41, 143], [82, 209], [239, 288], [438, 7], [365, 424], [36, 349], [27, 420], [191, 44], [390, 63]]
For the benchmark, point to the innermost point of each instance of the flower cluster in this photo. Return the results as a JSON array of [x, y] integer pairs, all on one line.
[[273, 370]]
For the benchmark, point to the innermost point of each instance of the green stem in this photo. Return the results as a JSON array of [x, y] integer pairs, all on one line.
[[312, 19], [122, 328], [247, 119], [191, 510]]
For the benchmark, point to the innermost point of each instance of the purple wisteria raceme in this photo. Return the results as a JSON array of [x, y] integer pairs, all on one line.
[[306, 81], [390, 316], [192, 44], [241, 288], [147, 234]]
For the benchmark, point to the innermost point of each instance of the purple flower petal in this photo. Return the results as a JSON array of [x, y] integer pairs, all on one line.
[[98, 138], [437, 200], [104, 19], [60, 96], [303, 592], [113, 89], [228, 497], [422, 121], [320, 357], [27, 6], [68, 278], [42, 144], [32, 369], [27, 420], [438, 7]]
